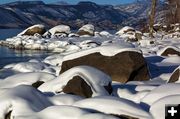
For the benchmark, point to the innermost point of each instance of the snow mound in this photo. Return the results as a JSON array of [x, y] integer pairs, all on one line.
[[113, 105], [96, 79], [157, 109], [22, 100], [160, 92], [66, 112], [29, 66], [26, 79], [65, 99]]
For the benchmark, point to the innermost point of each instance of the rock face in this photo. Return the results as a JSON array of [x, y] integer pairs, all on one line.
[[78, 86], [87, 29], [175, 76], [36, 29], [123, 67], [170, 51]]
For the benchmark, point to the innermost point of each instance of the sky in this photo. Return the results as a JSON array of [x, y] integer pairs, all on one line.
[[113, 2]]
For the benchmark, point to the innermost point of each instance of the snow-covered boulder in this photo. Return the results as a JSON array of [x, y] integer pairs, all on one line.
[[175, 77], [169, 50], [121, 61], [114, 106], [29, 66], [26, 79], [82, 80], [73, 35], [125, 30], [86, 44], [105, 33], [22, 100], [87, 29], [35, 29], [59, 30], [129, 34]]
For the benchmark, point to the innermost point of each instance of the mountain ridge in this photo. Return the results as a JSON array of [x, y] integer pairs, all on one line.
[[22, 14]]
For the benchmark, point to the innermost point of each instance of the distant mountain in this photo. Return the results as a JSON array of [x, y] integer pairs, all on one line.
[[139, 12], [61, 3], [23, 14]]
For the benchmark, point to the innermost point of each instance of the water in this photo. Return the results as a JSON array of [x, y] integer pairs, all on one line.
[[8, 56], [7, 33]]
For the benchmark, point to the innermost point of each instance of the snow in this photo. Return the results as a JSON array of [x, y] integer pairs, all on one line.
[[29, 67], [157, 109], [65, 99], [93, 77], [160, 92], [66, 112], [25, 79], [22, 100], [113, 105], [105, 33]]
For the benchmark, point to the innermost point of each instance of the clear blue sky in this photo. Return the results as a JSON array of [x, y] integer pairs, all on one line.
[[76, 1]]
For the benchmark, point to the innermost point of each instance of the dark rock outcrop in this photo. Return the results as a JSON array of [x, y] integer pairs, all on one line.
[[37, 84], [175, 76], [35, 30], [123, 67], [8, 115], [170, 51], [78, 86]]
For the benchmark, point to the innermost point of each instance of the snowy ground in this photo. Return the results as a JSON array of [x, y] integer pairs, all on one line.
[[139, 99]]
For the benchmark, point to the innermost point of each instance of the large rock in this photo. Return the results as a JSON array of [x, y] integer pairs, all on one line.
[[87, 29], [78, 86], [36, 29], [123, 67], [84, 81]]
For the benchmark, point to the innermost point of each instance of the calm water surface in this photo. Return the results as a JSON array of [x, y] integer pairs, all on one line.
[[8, 56]]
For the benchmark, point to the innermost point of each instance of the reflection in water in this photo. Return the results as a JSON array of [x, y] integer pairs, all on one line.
[[8, 56]]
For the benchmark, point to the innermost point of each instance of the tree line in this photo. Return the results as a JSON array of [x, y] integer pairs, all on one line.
[[172, 14]]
